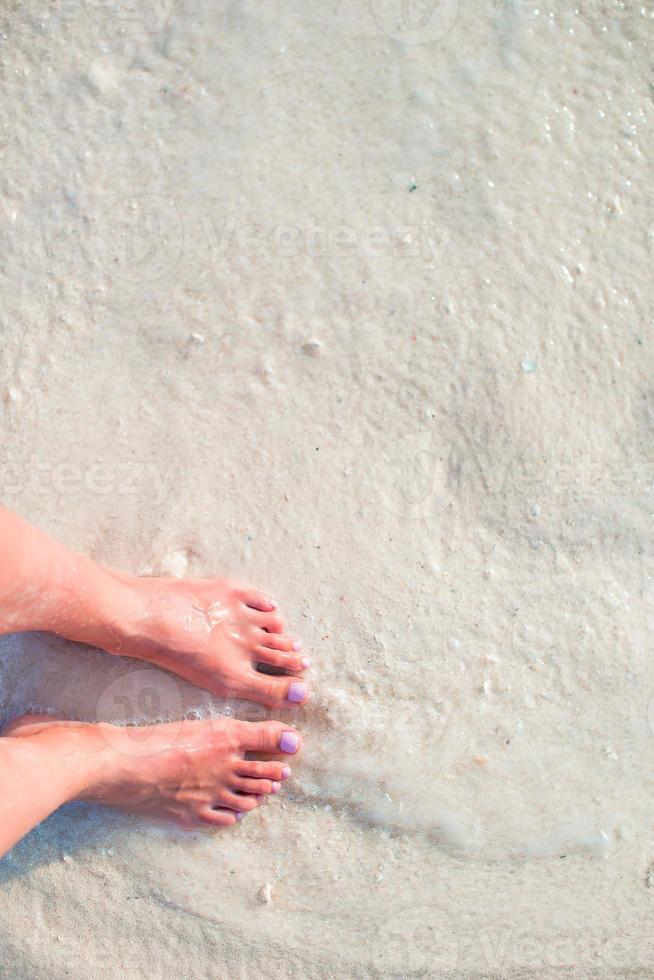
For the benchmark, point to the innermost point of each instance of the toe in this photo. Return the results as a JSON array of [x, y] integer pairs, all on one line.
[[256, 787], [256, 600], [218, 816], [259, 771], [242, 804], [289, 661], [275, 691], [269, 622], [270, 737], [279, 641]]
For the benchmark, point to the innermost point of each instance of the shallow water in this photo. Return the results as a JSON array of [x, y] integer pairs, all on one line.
[[359, 313]]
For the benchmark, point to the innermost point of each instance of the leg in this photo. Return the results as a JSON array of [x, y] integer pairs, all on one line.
[[213, 632], [194, 772]]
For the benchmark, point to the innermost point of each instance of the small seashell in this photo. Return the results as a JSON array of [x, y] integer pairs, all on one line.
[[265, 894]]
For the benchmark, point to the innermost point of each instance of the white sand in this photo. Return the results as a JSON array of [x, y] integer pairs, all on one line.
[[367, 323]]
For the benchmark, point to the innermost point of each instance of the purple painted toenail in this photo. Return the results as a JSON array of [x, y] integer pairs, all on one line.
[[289, 742], [276, 787], [239, 816], [286, 772], [297, 692], [297, 645], [306, 663]]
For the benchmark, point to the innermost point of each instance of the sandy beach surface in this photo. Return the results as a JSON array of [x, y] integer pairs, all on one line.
[[352, 302]]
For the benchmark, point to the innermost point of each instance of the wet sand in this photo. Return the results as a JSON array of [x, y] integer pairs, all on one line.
[[358, 310]]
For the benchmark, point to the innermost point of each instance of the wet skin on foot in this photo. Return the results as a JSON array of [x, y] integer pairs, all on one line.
[[213, 633], [193, 772]]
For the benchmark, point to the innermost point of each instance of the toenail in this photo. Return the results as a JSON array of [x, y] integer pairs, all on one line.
[[289, 742], [297, 645], [286, 772], [276, 787], [273, 603], [306, 663], [239, 816], [297, 692]]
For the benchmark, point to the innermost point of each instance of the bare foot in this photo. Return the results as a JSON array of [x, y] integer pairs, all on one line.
[[211, 632], [193, 772]]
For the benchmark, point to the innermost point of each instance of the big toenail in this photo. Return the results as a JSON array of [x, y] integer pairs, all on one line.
[[297, 692], [297, 645], [289, 742], [276, 787], [286, 772], [306, 663]]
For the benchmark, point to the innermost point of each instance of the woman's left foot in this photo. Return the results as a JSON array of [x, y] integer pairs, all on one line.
[[193, 772]]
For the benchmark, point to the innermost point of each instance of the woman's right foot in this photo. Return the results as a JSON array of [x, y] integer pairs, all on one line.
[[193, 772], [212, 632], [215, 633]]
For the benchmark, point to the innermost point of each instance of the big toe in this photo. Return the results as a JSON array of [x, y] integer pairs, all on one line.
[[275, 692], [270, 738]]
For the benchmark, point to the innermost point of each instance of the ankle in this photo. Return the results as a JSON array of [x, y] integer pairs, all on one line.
[[57, 759], [48, 593], [91, 604], [26, 601]]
